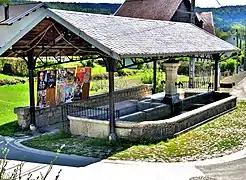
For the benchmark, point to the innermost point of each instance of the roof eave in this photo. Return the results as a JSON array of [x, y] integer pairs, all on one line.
[[17, 18], [125, 56]]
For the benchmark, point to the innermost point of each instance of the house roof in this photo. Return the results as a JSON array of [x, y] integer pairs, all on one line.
[[160, 10], [18, 11], [122, 37], [149, 9], [208, 22]]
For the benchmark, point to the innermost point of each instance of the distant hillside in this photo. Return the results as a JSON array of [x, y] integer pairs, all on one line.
[[227, 17], [224, 18]]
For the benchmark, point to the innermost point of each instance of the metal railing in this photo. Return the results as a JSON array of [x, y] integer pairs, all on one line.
[[197, 84], [90, 112]]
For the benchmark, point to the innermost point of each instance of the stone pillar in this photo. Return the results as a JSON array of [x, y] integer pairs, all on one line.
[[171, 94]]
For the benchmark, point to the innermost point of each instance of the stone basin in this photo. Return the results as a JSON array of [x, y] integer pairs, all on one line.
[[207, 107]]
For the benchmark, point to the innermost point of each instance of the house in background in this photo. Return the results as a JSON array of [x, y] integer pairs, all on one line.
[[166, 10]]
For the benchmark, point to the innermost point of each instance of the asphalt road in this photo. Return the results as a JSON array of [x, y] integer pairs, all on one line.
[[235, 170], [18, 154]]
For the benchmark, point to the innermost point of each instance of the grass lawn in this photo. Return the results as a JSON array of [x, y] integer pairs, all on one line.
[[10, 97], [3, 76], [221, 136]]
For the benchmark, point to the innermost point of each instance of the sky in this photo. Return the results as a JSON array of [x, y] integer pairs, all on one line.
[[200, 3]]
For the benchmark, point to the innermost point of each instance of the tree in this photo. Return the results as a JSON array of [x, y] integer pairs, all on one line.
[[5, 2]]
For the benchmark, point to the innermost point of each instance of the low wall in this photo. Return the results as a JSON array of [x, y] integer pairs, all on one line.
[[52, 115], [151, 130]]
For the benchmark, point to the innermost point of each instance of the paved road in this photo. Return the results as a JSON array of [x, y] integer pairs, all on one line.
[[16, 153], [240, 90], [235, 170]]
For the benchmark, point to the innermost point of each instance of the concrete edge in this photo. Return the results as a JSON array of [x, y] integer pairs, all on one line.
[[220, 160], [225, 159]]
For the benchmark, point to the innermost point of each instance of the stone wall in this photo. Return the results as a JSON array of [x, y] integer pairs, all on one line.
[[52, 115], [152, 130]]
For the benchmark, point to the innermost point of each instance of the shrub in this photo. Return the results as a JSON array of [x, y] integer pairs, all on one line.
[[19, 65], [184, 69], [11, 81], [147, 78], [87, 63], [231, 65], [223, 66]]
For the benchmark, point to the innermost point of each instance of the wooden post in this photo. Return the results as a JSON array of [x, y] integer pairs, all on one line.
[[31, 67], [154, 76], [192, 60], [216, 72], [111, 69], [191, 72]]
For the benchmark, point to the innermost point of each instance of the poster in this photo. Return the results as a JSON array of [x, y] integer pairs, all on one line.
[[51, 90], [42, 80], [41, 89], [51, 78], [65, 85], [86, 84], [70, 75], [46, 88], [69, 93], [41, 99]]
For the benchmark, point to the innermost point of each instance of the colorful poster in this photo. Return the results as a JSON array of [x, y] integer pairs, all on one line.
[[86, 84], [41, 89], [42, 80], [77, 93], [71, 75], [60, 93], [62, 76], [51, 90], [41, 99], [65, 85], [69, 93], [51, 78]]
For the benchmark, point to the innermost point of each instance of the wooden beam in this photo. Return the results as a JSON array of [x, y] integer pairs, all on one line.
[[39, 35]]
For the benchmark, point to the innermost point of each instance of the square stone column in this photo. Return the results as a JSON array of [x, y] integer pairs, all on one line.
[[171, 95]]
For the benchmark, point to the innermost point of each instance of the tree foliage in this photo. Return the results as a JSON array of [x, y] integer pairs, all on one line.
[[5, 2]]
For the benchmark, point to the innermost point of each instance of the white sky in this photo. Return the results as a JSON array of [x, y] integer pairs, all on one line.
[[200, 3]]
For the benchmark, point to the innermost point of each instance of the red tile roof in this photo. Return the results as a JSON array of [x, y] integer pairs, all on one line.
[[149, 9], [208, 22]]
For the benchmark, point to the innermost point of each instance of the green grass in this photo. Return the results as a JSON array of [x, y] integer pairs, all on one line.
[[225, 134], [10, 97], [3, 76]]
